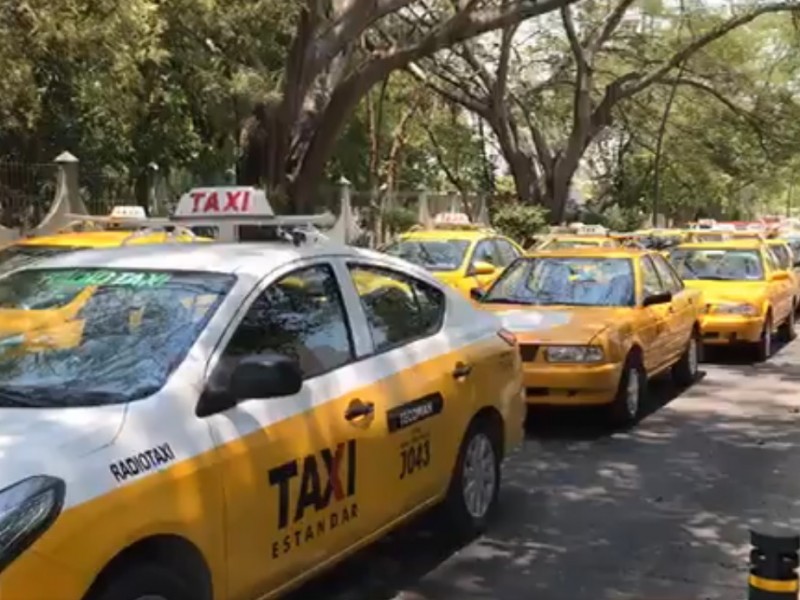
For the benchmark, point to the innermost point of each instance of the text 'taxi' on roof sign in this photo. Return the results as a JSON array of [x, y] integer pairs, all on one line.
[[221, 202]]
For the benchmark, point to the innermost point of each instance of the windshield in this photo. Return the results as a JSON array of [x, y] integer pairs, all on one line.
[[718, 264], [14, 257], [435, 255], [566, 281], [82, 337]]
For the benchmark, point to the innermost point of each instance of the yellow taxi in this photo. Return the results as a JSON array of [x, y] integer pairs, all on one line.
[[594, 325], [461, 256], [785, 256], [747, 295], [321, 396]]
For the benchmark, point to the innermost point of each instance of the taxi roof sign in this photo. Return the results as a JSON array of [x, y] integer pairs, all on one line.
[[451, 218], [224, 202], [128, 212]]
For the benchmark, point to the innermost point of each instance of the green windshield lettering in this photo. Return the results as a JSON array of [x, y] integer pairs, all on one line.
[[84, 279]]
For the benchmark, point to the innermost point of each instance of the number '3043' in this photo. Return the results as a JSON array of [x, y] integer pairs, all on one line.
[[415, 457]]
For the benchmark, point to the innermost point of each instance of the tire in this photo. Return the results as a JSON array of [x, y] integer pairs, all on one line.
[[788, 330], [142, 581], [467, 515], [684, 372], [764, 345], [627, 404]]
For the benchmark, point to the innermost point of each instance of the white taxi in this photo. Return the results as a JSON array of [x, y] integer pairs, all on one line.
[[222, 422]]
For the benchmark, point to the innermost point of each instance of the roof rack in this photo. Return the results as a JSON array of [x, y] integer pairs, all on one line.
[[228, 208]]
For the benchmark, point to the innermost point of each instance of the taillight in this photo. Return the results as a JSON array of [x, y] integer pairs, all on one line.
[[508, 337]]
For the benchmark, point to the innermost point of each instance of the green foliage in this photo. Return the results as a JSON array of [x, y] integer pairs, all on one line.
[[520, 222], [397, 219]]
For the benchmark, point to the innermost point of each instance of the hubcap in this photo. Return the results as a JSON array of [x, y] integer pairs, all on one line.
[[480, 476], [693, 356], [632, 393]]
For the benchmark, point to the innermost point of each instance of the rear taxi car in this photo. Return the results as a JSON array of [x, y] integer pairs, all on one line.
[[595, 325], [461, 256], [261, 417], [747, 296], [562, 241], [785, 256], [125, 225]]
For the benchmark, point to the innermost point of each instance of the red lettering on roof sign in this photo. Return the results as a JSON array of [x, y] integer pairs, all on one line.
[[196, 197], [237, 201]]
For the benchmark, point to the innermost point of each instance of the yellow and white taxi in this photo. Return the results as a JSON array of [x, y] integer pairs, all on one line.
[[228, 420], [462, 256], [595, 324], [747, 296], [784, 255]]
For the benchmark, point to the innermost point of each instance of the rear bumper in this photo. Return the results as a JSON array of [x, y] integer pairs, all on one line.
[[571, 385], [730, 329]]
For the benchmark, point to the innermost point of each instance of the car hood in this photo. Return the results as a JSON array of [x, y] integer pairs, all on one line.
[[557, 324], [42, 441], [734, 292]]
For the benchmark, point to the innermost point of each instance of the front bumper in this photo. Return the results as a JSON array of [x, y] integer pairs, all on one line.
[[730, 329], [571, 385]]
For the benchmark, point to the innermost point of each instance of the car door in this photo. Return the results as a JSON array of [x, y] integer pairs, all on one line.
[[682, 311], [424, 386], [298, 471], [485, 251], [779, 291], [656, 330]]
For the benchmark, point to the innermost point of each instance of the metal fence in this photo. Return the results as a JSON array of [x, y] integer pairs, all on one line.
[[26, 192]]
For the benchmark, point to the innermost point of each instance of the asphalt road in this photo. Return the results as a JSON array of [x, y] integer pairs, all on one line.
[[660, 512]]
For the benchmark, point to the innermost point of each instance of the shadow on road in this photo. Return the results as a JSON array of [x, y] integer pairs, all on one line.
[[661, 511]]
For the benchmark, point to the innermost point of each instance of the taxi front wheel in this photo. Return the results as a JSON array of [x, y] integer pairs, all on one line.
[[627, 404], [143, 582], [472, 496]]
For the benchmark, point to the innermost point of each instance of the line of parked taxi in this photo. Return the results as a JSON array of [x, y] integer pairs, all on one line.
[[185, 419]]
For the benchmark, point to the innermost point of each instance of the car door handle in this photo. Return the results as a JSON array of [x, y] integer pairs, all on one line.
[[461, 370], [359, 409]]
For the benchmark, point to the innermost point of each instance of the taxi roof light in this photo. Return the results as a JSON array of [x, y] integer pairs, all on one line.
[[245, 205]]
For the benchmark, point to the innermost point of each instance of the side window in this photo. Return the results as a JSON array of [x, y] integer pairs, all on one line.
[[772, 264], [301, 316], [507, 252], [651, 284], [399, 309], [485, 251], [667, 274]]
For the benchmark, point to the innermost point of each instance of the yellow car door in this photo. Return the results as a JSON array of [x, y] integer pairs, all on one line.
[[425, 399], [485, 253], [657, 333], [779, 286], [297, 471], [683, 310]]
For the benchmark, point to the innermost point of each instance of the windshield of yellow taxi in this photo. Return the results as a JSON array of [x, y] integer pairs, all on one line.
[[15, 257], [434, 255], [566, 281], [83, 337], [717, 264]]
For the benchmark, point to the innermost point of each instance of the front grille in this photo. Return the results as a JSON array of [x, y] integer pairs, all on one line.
[[528, 352]]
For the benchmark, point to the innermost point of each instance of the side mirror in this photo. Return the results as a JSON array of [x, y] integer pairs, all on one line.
[[779, 276], [662, 298], [483, 268], [477, 294], [260, 376]]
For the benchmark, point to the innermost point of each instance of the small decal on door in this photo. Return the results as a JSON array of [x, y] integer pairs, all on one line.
[[411, 413]]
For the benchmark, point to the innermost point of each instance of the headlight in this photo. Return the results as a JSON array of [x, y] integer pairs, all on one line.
[[733, 309], [574, 354], [27, 509]]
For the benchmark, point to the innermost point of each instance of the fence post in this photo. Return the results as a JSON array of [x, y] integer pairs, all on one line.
[[773, 566], [423, 210], [483, 211], [67, 199], [342, 230]]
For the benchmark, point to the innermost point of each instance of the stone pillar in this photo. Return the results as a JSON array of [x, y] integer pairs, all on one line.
[[423, 210], [68, 198], [342, 231]]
